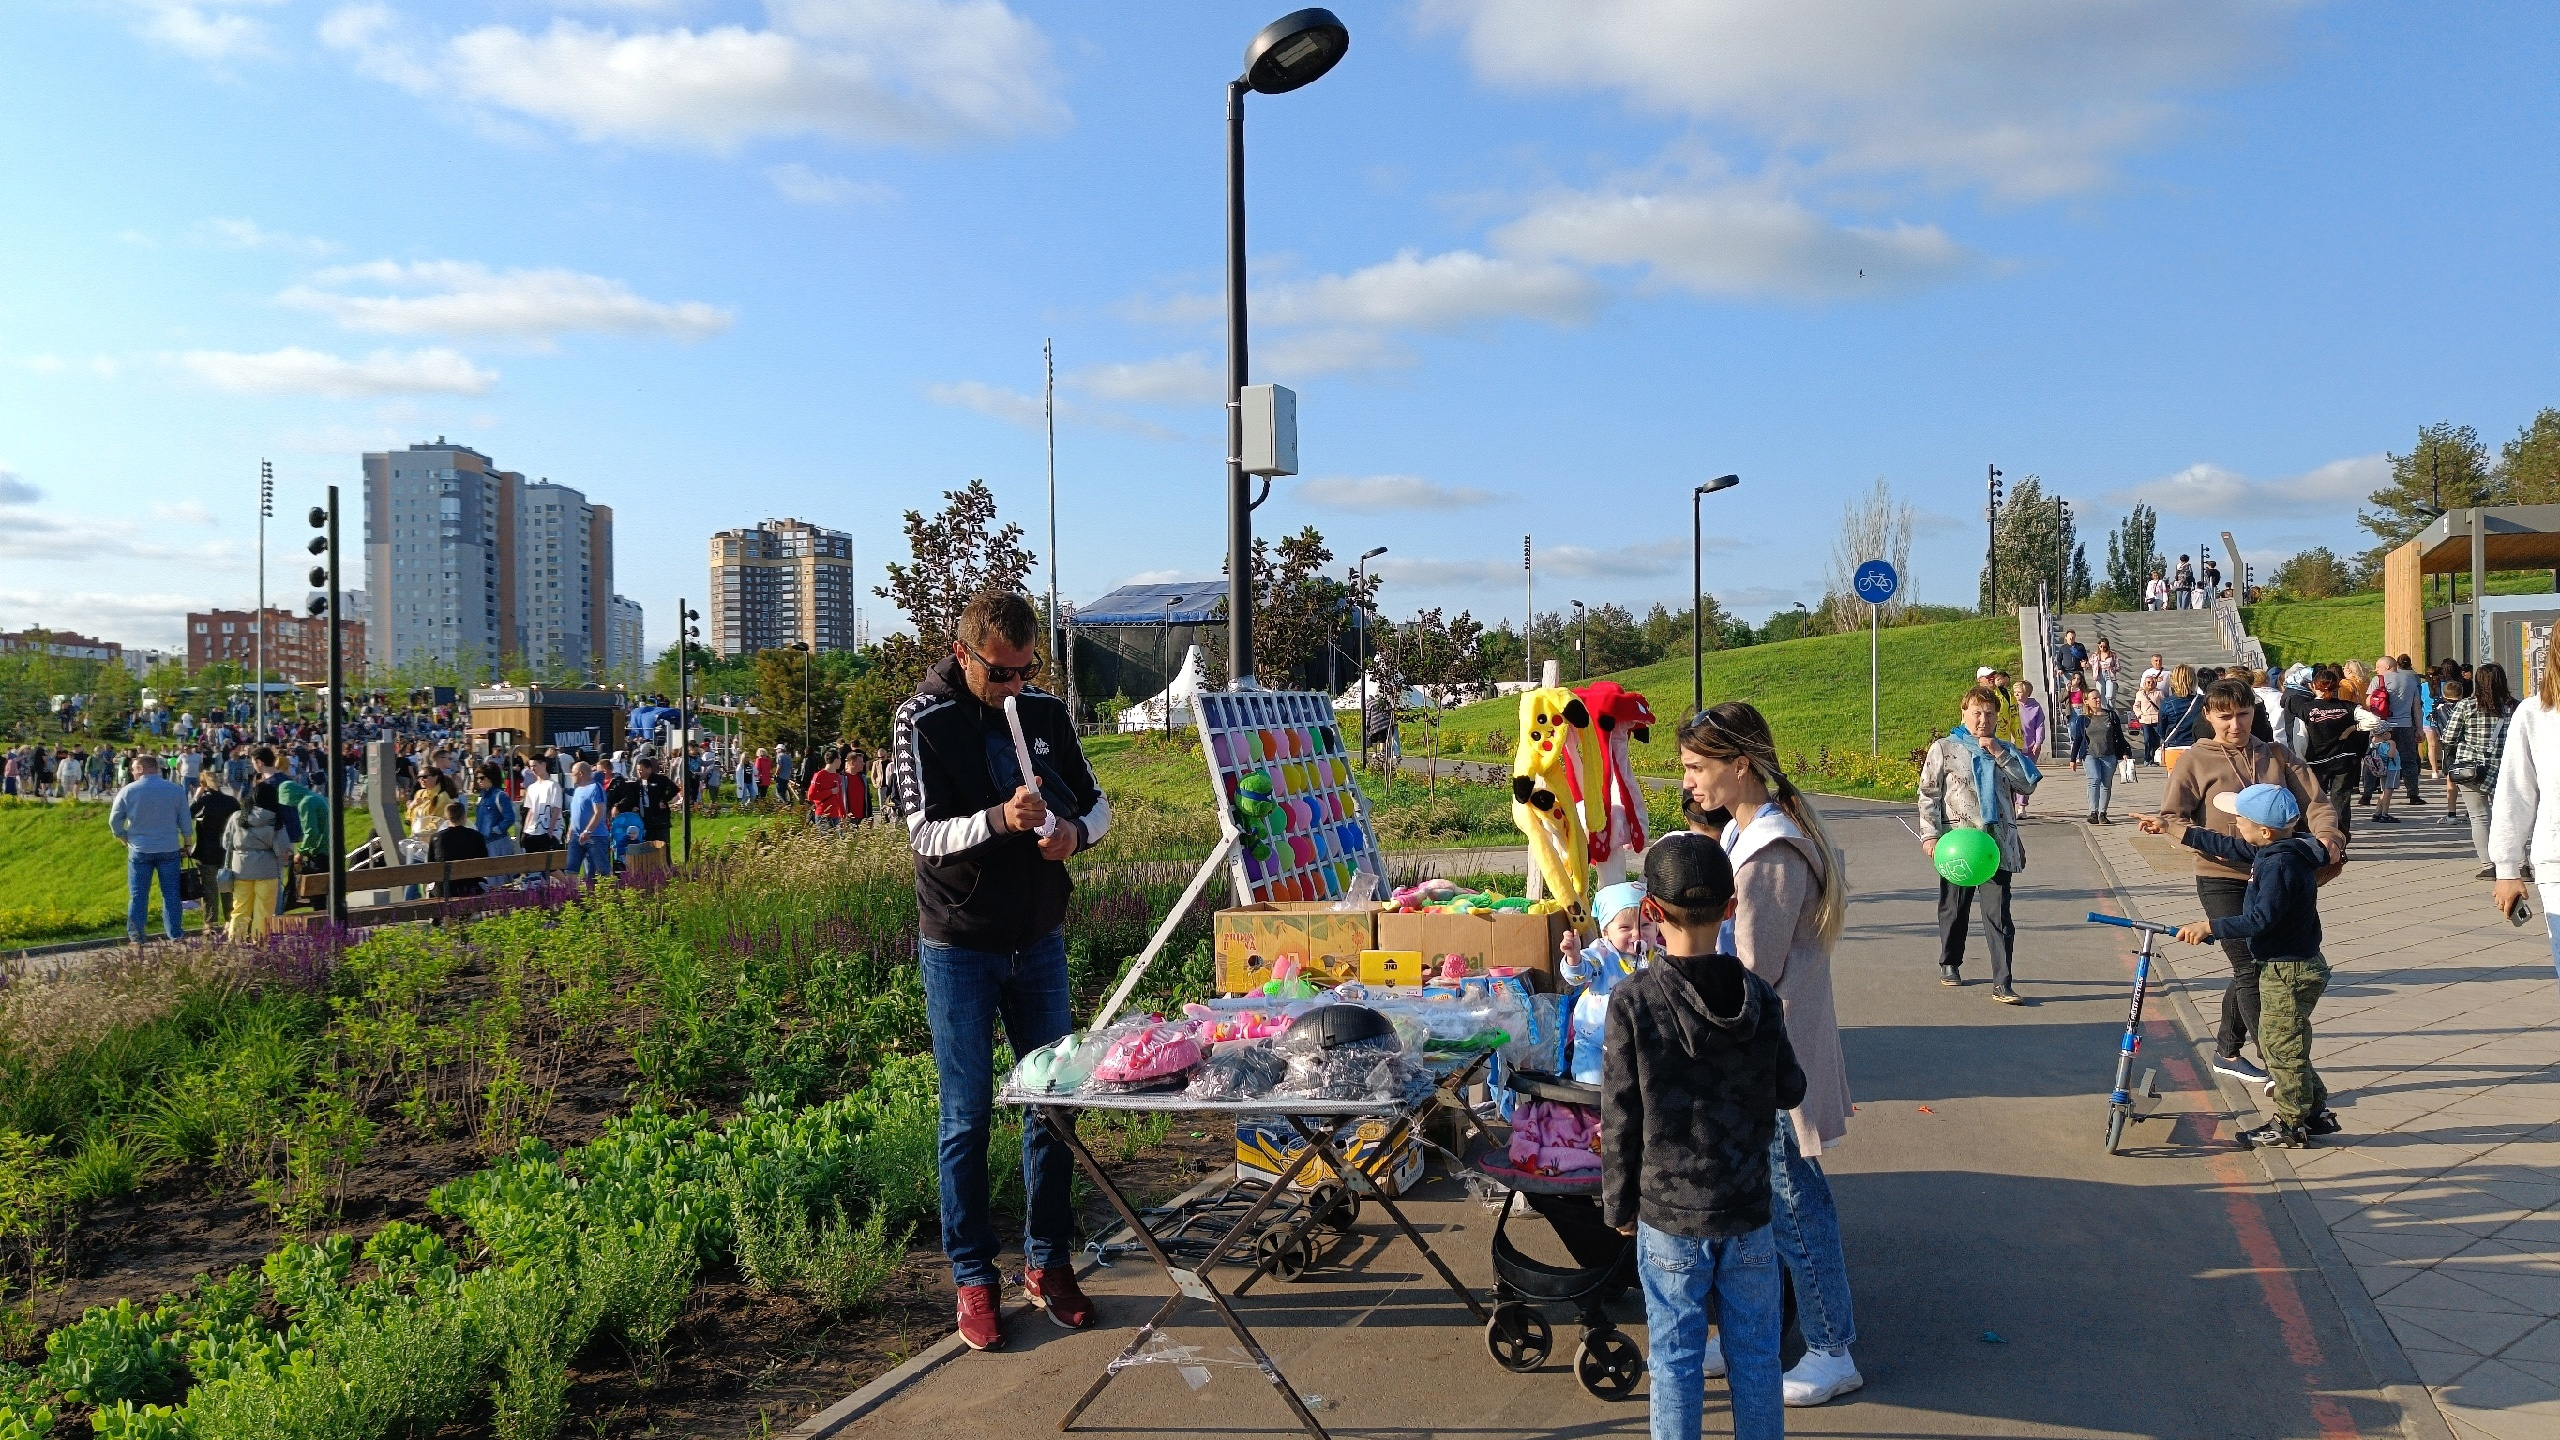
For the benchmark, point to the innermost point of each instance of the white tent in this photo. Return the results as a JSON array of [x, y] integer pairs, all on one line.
[[1149, 714], [1413, 699]]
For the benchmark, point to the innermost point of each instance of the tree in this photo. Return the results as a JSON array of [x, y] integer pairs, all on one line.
[[2133, 552], [871, 703], [2448, 469], [1298, 609], [2529, 465], [956, 554], [2032, 540], [1875, 526], [779, 714], [2314, 574]]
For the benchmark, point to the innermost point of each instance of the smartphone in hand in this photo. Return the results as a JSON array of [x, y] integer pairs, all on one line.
[[2520, 912]]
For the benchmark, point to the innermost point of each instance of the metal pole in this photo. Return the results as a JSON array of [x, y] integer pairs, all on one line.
[[684, 728], [1697, 606], [1239, 503], [337, 741], [1049, 409], [1529, 629], [1991, 547], [266, 507], [1360, 632], [1582, 642], [2479, 615], [1875, 713]]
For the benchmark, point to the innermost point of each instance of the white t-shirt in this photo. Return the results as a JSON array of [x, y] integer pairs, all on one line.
[[544, 803]]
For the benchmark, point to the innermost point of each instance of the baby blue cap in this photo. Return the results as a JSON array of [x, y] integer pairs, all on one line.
[[1614, 899]]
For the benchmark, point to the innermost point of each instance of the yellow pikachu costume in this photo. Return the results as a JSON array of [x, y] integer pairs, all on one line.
[[1555, 775]]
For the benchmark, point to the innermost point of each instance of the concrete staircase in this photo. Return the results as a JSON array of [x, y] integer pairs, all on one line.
[[2179, 637]]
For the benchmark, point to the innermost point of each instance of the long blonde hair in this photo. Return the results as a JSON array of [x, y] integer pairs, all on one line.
[[1737, 730], [2353, 682]]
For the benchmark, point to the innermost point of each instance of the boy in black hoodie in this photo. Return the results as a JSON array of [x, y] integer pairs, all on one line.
[[2279, 920], [1696, 1073]]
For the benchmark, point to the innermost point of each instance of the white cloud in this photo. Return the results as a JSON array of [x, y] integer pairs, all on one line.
[[1619, 562], [1015, 408], [1186, 379], [14, 489], [1330, 352], [1735, 242], [155, 619], [184, 512], [36, 535], [207, 30], [452, 297], [241, 234], [2025, 97], [803, 186], [911, 72], [2209, 490], [296, 371], [1440, 292], [1388, 492]]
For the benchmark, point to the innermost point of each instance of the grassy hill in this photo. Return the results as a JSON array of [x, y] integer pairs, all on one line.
[[2349, 627], [1814, 692]]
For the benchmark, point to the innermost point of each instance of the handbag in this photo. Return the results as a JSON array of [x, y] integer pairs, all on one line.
[[2469, 774]]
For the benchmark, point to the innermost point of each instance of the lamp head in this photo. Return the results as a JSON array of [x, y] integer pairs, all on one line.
[[1295, 50], [1373, 554], [1721, 482]]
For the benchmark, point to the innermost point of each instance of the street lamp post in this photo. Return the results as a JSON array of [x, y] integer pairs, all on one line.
[[685, 632], [1360, 632], [325, 520], [2062, 553], [1581, 642], [807, 657], [1991, 548], [266, 509], [1290, 52], [1698, 591]]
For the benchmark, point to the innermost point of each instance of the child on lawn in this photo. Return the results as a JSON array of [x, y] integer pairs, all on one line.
[[2280, 919], [1696, 1075]]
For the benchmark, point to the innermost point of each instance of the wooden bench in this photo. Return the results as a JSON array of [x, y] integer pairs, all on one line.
[[440, 874]]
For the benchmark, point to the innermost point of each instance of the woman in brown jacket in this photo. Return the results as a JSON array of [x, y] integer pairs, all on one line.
[[1790, 898]]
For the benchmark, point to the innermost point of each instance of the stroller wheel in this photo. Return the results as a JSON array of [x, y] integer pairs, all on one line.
[[1340, 1207], [1284, 1257], [1608, 1364], [1518, 1338]]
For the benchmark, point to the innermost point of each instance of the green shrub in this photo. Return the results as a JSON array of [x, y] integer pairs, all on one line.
[[107, 1165], [118, 1354], [124, 1421], [643, 1277], [321, 1144], [847, 1266]]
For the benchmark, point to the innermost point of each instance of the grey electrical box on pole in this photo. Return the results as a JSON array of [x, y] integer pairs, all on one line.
[[1270, 430]]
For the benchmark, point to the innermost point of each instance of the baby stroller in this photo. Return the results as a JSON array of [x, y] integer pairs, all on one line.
[[1606, 1361], [1518, 1336]]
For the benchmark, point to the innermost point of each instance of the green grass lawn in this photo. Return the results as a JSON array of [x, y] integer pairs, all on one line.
[[2349, 627], [1813, 691]]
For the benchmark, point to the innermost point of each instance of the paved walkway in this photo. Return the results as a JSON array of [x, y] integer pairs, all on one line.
[[2440, 1042]]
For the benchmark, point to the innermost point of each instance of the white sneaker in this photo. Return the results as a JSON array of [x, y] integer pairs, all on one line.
[[1819, 1378], [1711, 1363]]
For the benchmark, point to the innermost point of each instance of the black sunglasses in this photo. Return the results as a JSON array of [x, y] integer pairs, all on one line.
[[1003, 674]]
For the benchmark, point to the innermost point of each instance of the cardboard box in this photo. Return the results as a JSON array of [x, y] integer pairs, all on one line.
[[1266, 1144], [1523, 942], [1329, 940]]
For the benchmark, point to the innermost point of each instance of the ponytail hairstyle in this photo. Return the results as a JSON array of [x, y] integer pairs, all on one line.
[[1736, 730]]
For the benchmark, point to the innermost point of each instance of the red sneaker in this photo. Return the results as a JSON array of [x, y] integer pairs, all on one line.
[[1055, 1290], [981, 1318]]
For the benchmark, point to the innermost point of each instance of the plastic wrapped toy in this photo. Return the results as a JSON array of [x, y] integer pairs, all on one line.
[[1239, 1072], [1061, 1067], [1225, 1025], [1288, 980], [1347, 1052], [1155, 1055]]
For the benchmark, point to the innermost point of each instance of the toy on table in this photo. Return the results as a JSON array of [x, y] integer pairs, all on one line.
[[1617, 821], [1288, 980], [1553, 766], [1220, 1026], [1154, 1056]]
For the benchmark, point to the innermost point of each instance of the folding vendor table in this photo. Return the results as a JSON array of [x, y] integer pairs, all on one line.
[[1320, 1123]]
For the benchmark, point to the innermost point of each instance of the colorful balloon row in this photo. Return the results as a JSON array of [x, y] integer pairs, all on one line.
[[1327, 882], [1326, 847], [1238, 748]]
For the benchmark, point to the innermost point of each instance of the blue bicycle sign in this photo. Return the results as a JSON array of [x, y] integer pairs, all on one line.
[[1875, 582]]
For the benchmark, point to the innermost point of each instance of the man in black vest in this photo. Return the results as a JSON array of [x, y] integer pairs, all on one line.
[[991, 897]]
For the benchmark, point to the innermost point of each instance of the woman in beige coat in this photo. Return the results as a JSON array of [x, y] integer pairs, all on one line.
[[1790, 898]]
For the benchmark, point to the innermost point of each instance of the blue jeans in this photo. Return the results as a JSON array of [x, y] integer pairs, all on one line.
[[2102, 782], [965, 993], [1741, 1272], [593, 855], [1806, 1227], [139, 867]]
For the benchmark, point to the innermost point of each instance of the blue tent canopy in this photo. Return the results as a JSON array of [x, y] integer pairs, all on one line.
[[1193, 603]]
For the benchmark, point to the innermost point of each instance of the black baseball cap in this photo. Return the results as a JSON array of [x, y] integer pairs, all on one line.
[[1689, 873]]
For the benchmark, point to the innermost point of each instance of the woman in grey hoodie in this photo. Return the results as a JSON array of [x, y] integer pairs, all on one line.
[[260, 855]]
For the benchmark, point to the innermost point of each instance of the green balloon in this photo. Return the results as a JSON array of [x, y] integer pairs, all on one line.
[[1967, 857]]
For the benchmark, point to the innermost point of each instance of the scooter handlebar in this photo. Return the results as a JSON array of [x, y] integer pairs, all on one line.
[[2131, 924]]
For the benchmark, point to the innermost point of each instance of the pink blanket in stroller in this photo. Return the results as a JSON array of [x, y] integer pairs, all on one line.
[[1550, 1137]]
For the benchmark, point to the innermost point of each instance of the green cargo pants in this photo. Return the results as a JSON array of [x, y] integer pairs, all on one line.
[[2287, 991]]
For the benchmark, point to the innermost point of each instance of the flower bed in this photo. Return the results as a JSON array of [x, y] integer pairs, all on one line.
[[636, 1155]]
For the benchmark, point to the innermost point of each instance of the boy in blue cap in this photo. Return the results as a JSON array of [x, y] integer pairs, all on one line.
[[2279, 919]]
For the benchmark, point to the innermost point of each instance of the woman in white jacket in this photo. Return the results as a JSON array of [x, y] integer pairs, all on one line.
[[2524, 819]]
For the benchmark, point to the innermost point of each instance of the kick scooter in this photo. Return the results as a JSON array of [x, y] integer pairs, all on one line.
[[2121, 1102]]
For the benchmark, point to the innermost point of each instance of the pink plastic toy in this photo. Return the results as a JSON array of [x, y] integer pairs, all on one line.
[[1151, 1052]]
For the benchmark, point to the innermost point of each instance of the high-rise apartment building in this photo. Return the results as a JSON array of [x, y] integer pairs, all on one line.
[[622, 642], [468, 564], [781, 581]]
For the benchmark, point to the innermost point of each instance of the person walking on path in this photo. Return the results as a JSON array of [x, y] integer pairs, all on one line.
[[2524, 819], [212, 810], [1697, 1068], [1972, 780], [2333, 745], [546, 817], [260, 855], [826, 792], [2400, 686], [2102, 665], [1791, 897], [2031, 718], [590, 823], [2475, 741], [151, 817], [991, 846], [2073, 657], [2178, 709], [2146, 720], [2155, 592], [2229, 762], [2104, 733]]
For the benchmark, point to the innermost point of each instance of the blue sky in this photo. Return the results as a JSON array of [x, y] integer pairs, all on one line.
[[1531, 268]]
